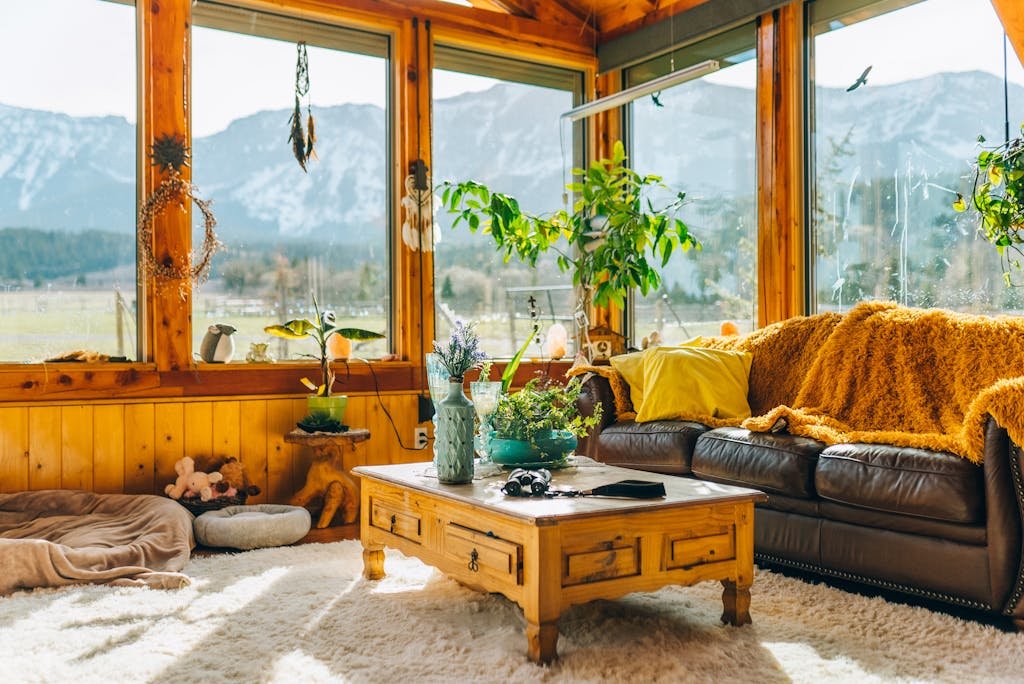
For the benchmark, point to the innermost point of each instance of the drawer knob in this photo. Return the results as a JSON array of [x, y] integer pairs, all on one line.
[[473, 558], [394, 519]]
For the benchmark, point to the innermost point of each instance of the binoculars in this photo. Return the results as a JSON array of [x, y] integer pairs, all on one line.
[[522, 482]]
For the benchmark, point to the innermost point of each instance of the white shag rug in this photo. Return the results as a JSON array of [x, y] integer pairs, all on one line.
[[304, 614]]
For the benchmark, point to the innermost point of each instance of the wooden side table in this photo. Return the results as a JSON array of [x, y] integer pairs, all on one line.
[[327, 477]]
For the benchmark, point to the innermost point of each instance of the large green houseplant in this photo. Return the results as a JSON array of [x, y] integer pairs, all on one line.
[[321, 329], [998, 196], [612, 240]]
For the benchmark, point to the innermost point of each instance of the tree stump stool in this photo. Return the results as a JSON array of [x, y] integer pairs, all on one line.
[[327, 478]]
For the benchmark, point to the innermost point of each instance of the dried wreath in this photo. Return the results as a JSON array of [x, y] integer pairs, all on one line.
[[171, 154]]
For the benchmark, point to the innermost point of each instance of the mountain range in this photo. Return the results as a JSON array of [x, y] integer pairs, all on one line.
[[76, 173]]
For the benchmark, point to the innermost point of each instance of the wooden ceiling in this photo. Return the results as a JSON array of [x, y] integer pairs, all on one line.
[[603, 19]]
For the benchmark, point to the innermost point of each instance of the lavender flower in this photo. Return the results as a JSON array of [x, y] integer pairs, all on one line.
[[462, 352]]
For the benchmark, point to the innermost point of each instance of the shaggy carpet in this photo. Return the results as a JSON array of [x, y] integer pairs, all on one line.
[[303, 614]]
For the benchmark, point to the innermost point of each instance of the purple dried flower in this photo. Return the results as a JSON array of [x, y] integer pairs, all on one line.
[[462, 353]]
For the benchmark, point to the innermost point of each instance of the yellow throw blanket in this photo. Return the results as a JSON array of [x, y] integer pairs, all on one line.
[[884, 374]]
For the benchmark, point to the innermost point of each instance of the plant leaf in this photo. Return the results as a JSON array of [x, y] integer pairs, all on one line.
[[292, 330]]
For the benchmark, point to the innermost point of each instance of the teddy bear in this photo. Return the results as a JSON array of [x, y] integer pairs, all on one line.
[[192, 483], [235, 480]]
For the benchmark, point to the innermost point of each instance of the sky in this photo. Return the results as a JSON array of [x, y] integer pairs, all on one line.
[[962, 35]]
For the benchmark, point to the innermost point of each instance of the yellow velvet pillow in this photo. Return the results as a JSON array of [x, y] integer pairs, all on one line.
[[690, 382], [631, 368]]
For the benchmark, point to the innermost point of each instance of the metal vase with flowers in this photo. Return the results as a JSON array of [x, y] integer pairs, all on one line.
[[455, 414]]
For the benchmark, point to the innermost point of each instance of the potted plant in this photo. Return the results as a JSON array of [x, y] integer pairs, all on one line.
[[455, 413], [321, 330], [608, 240], [539, 424], [998, 196]]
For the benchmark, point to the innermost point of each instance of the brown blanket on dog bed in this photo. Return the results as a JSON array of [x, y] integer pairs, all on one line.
[[58, 537]]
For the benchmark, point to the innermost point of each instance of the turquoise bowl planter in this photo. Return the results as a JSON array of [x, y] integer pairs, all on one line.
[[333, 406], [553, 447]]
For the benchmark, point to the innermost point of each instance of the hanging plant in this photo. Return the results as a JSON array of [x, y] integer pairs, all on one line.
[[999, 197], [302, 140], [170, 153]]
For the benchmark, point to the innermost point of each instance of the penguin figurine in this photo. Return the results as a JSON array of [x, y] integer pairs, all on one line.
[[217, 345]]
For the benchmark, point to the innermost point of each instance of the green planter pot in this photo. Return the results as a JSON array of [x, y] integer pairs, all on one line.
[[550, 448], [333, 406]]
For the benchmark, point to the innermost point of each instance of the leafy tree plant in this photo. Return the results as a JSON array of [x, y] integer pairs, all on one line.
[[320, 330], [607, 238], [999, 198]]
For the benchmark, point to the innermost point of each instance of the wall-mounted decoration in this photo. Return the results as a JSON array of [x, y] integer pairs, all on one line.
[[302, 140], [171, 154], [418, 226]]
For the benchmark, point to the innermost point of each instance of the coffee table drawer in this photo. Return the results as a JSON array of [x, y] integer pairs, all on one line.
[[602, 561], [396, 519], [690, 551], [476, 552]]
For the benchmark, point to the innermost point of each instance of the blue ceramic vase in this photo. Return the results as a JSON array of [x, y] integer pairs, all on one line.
[[454, 438]]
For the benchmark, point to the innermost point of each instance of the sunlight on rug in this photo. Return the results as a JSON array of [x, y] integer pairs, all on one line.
[[304, 614]]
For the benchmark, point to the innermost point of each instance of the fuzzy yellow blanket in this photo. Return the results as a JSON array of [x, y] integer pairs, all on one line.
[[884, 374]]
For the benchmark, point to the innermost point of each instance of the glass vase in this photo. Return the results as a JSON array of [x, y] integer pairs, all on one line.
[[454, 437], [437, 385], [485, 399]]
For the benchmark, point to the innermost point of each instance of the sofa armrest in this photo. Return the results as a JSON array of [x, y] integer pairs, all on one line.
[[596, 390], [1004, 503]]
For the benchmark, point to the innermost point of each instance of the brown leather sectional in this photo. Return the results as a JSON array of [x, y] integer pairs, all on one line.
[[925, 523]]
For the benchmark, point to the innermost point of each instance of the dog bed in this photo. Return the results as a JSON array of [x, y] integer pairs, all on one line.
[[252, 527], [57, 537]]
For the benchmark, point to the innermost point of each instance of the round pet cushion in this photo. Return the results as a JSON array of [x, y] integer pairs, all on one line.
[[252, 527]]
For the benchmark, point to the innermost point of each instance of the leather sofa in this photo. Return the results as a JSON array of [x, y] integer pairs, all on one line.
[[925, 523]]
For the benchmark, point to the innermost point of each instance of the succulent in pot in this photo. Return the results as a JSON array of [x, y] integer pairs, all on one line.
[[539, 424], [321, 330]]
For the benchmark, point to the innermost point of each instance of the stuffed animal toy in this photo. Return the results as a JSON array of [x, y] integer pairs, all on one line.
[[235, 480], [191, 483]]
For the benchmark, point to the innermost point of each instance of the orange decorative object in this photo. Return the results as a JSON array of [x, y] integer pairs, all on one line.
[[729, 328], [557, 342], [339, 348]]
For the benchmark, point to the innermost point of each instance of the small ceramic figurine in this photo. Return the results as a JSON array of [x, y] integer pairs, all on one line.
[[217, 345], [258, 353]]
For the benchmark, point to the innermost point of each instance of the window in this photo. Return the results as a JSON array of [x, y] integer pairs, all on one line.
[[67, 179], [891, 150], [497, 121], [699, 137], [287, 232]]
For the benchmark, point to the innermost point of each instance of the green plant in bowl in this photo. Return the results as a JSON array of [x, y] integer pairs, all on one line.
[[539, 424]]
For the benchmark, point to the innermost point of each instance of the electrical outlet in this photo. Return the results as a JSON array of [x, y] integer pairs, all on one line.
[[419, 438]]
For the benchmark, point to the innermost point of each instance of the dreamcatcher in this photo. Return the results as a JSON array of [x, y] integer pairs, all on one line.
[[418, 226], [302, 140]]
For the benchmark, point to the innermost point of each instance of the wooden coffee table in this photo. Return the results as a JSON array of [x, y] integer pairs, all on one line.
[[548, 554]]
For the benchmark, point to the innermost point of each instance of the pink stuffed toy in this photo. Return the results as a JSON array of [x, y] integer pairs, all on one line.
[[192, 484]]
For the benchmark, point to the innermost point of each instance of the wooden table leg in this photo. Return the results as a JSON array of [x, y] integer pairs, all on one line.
[[373, 562], [542, 641], [736, 603]]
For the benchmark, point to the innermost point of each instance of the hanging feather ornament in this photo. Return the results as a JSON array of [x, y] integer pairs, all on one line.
[[302, 140]]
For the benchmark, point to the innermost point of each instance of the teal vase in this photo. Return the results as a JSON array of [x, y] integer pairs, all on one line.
[[454, 438]]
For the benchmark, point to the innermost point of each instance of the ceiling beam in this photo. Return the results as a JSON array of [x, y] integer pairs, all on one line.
[[1011, 12], [631, 16]]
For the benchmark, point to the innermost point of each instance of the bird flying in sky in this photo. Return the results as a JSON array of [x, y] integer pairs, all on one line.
[[861, 80]]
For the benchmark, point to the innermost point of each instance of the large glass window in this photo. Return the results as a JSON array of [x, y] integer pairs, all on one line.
[[496, 121], [288, 232], [900, 92], [699, 137], [67, 179]]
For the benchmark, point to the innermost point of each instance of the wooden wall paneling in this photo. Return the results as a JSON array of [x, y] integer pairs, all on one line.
[[403, 409], [165, 94], [279, 453], [108, 449], [14, 449], [44, 433], [355, 416], [1011, 13], [226, 428], [139, 452], [606, 129], [76, 447], [381, 437], [253, 444], [198, 417], [169, 423], [302, 456], [779, 136]]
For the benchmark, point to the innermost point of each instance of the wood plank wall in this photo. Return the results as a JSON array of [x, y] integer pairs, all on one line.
[[131, 446]]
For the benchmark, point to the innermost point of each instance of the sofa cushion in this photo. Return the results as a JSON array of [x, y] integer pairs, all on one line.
[[776, 463], [661, 446], [929, 484]]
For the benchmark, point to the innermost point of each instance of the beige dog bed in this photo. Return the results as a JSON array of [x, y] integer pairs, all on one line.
[[252, 527]]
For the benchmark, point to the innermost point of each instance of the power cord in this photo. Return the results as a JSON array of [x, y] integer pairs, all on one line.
[[380, 401]]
